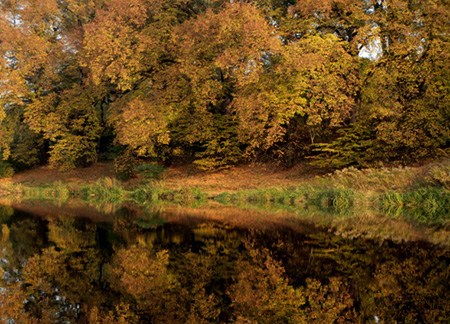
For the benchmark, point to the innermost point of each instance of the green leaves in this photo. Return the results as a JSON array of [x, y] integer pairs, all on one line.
[[71, 124]]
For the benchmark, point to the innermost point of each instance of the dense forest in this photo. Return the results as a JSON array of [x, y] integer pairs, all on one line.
[[216, 82]]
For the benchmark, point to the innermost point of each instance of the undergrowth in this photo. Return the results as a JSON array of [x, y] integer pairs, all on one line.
[[418, 194], [106, 191]]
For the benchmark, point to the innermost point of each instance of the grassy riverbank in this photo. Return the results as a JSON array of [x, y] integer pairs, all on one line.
[[421, 194]]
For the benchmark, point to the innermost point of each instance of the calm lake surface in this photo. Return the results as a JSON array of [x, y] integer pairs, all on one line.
[[212, 265]]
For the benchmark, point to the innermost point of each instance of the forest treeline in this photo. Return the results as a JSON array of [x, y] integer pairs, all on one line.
[[217, 82]]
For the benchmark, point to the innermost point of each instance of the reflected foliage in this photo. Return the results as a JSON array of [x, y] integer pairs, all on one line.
[[71, 270]]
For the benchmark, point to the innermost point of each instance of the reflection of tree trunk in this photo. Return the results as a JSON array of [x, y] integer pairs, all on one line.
[[311, 257], [100, 276]]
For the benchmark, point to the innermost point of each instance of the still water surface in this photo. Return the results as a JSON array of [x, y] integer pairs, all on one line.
[[186, 266]]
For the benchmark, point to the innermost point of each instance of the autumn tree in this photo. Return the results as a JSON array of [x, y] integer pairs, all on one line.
[[126, 49], [42, 82], [219, 54], [179, 74], [309, 91], [407, 92], [344, 81], [403, 111]]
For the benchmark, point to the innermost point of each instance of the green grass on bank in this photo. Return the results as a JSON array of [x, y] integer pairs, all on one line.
[[106, 190], [425, 205], [419, 194]]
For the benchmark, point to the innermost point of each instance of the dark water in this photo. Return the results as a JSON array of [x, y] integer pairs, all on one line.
[[78, 266]]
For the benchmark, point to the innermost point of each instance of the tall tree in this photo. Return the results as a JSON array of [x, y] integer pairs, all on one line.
[[404, 98], [176, 76], [40, 43], [309, 90], [407, 93], [219, 54]]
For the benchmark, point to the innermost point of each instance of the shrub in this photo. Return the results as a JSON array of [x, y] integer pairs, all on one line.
[[381, 179], [125, 164], [439, 175], [221, 152], [150, 171], [6, 170], [68, 154], [106, 189]]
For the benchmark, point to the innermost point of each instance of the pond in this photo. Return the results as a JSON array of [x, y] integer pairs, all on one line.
[[211, 265]]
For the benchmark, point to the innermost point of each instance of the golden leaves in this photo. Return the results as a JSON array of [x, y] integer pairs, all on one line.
[[315, 79]]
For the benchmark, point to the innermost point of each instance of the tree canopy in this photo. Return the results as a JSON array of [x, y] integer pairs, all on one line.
[[340, 82]]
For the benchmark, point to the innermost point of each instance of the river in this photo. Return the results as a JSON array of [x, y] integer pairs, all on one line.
[[212, 265]]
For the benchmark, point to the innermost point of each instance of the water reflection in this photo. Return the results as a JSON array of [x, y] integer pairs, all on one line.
[[187, 266]]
